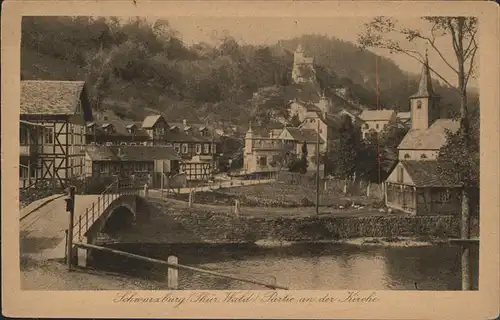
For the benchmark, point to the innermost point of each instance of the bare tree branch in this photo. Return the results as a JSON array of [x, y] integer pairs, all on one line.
[[469, 50], [433, 45], [471, 67], [422, 61]]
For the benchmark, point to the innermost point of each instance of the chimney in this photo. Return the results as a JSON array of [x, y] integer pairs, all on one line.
[[184, 122]]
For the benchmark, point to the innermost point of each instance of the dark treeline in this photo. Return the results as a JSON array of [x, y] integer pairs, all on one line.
[[136, 66]]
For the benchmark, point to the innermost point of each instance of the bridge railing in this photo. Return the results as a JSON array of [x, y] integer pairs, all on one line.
[[94, 211]]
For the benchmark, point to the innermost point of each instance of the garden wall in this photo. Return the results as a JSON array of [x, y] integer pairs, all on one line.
[[219, 228], [223, 228]]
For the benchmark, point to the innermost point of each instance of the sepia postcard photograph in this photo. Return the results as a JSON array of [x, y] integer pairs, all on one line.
[[250, 159]]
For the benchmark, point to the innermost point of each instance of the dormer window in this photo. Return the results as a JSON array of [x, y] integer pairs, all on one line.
[[108, 128], [91, 127], [131, 128]]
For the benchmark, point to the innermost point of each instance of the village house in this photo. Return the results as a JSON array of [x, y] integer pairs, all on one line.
[[108, 129], [420, 183], [53, 118], [145, 164], [374, 121], [196, 144]]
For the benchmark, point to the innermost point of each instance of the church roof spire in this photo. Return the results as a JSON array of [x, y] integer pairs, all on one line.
[[425, 85]]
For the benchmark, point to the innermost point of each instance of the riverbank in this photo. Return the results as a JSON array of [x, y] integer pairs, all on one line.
[[171, 222]]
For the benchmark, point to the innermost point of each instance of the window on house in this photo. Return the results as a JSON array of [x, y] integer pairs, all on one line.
[[23, 137], [206, 148], [160, 131], [198, 148], [400, 174], [366, 126], [376, 126], [48, 136], [263, 161], [423, 156], [214, 148], [184, 148], [177, 147], [103, 168], [445, 195], [407, 156]]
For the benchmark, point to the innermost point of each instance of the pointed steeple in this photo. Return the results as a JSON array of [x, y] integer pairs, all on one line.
[[425, 85], [250, 131]]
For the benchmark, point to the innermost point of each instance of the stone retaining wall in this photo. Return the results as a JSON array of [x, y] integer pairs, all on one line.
[[220, 228]]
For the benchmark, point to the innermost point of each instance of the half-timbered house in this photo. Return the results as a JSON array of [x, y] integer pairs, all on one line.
[[55, 112], [146, 164], [108, 129]]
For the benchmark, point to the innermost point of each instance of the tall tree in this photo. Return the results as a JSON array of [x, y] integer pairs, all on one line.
[[348, 149], [461, 32]]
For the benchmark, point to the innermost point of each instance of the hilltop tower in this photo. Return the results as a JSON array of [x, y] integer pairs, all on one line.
[[424, 103], [303, 67], [324, 104]]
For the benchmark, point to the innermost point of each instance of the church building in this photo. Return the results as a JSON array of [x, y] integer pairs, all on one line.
[[419, 183]]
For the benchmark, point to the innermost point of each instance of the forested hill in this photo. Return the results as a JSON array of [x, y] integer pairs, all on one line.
[[135, 67]]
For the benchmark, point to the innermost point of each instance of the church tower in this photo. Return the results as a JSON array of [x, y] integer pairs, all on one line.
[[424, 103], [324, 104], [249, 140]]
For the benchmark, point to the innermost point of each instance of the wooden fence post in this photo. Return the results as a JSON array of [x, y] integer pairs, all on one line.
[[173, 274], [190, 200], [237, 208]]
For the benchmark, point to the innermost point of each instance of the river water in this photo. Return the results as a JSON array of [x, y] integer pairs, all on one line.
[[318, 266]]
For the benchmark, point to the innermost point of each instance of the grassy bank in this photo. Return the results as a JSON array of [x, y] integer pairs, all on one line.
[[281, 195]]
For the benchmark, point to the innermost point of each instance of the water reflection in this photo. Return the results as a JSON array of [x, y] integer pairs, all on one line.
[[302, 266]]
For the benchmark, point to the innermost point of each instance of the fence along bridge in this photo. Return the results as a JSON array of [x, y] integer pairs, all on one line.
[[119, 203]]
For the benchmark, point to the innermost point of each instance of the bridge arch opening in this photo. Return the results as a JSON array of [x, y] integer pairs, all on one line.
[[120, 219]]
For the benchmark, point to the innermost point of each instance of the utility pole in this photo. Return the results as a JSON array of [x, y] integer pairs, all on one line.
[[70, 208], [317, 168]]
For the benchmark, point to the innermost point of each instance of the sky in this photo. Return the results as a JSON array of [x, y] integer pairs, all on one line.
[[268, 30]]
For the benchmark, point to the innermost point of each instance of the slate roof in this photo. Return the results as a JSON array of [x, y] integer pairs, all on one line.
[[150, 121], [404, 115], [101, 153], [301, 135], [431, 139], [376, 115], [50, 97], [177, 133], [430, 173], [131, 153], [120, 126], [425, 84]]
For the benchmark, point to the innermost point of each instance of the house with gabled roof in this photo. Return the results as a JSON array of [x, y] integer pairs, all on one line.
[[420, 183], [52, 132], [108, 129], [376, 120], [146, 164]]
